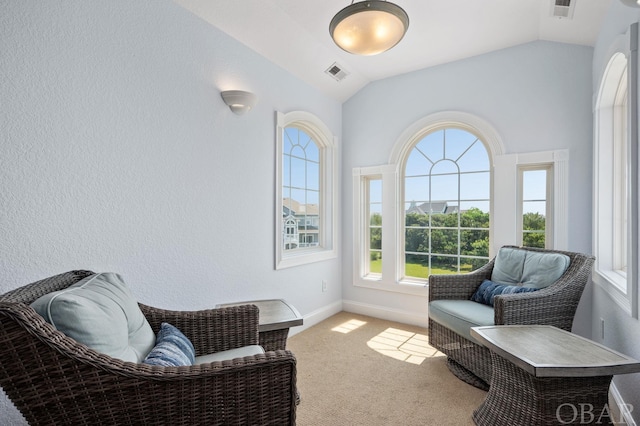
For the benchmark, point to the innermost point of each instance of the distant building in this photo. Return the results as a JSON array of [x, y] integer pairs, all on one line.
[[432, 207], [301, 223]]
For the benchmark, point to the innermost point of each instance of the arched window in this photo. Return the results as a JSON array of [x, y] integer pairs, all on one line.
[[614, 187], [305, 212], [429, 209], [447, 187]]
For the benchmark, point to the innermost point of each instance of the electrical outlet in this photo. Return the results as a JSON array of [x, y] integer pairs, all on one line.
[[324, 286]]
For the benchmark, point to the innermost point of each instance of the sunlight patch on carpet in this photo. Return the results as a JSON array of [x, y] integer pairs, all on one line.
[[348, 326], [404, 346]]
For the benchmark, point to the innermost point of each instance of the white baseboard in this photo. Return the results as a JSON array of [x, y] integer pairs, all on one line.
[[317, 316], [413, 318], [622, 410]]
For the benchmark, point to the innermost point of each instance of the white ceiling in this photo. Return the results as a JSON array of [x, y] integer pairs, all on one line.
[[295, 33]]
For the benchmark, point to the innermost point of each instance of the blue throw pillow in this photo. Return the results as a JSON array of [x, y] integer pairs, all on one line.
[[172, 349], [488, 290]]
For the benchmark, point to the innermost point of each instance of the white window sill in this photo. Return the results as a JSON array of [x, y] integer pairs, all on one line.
[[305, 256], [612, 283], [416, 289]]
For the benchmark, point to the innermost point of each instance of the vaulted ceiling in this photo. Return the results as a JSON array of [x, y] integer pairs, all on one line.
[[294, 34]]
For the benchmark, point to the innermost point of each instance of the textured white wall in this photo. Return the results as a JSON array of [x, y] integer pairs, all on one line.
[[537, 96], [118, 154]]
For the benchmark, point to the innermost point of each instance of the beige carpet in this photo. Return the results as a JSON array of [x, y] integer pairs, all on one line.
[[358, 370]]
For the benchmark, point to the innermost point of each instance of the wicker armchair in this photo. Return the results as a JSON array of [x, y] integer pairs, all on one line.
[[554, 305], [54, 380]]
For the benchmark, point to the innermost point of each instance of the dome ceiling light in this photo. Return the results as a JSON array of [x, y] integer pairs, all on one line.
[[369, 27]]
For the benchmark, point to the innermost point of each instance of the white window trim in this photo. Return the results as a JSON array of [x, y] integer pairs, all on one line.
[[387, 281], [623, 290], [328, 236], [406, 142], [506, 185], [504, 190], [392, 278]]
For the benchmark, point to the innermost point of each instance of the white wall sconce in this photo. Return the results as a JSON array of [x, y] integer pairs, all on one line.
[[631, 3], [239, 101]]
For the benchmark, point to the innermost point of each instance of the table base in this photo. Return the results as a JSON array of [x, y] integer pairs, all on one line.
[[516, 397]]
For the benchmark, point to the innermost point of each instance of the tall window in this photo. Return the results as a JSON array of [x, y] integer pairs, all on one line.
[[305, 205], [615, 189], [447, 185], [535, 206]]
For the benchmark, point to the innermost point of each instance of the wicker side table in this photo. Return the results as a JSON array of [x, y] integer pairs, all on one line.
[[276, 317], [543, 375]]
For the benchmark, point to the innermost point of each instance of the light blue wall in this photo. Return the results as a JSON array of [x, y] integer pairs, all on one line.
[[621, 331], [537, 96], [118, 154]]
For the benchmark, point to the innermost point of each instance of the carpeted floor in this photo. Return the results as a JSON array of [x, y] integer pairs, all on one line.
[[357, 370]]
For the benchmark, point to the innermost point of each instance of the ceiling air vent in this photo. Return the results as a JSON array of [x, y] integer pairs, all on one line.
[[562, 8], [337, 72]]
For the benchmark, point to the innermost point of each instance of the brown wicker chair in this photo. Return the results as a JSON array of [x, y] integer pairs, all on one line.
[[554, 305], [54, 380]]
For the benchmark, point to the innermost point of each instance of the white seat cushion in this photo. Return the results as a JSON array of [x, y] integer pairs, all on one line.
[[230, 354]]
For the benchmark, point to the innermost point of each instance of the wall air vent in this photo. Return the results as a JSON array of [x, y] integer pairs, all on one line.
[[337, 72], [563, 9]]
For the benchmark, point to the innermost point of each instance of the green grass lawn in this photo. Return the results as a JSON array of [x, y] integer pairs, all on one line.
[[416, 269]]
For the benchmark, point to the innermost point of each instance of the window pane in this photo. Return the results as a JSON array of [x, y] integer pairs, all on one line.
[[313, 175], [444, 187], [375, 262], [374, 245], [458, 142], [534, 185], [534, 207], [375, 191], [475, 186], [416, 189], [312, 152], [416, 266], [417, 240], [432, 146], [417, 164], [475, 243], [475, 159], [444, 241], [297, 177]]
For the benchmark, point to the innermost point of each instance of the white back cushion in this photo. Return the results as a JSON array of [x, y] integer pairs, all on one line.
[[101, 312]]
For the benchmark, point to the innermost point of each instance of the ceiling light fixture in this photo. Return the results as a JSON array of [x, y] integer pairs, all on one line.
[[239, 101], [369, 27], [631, 3]]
